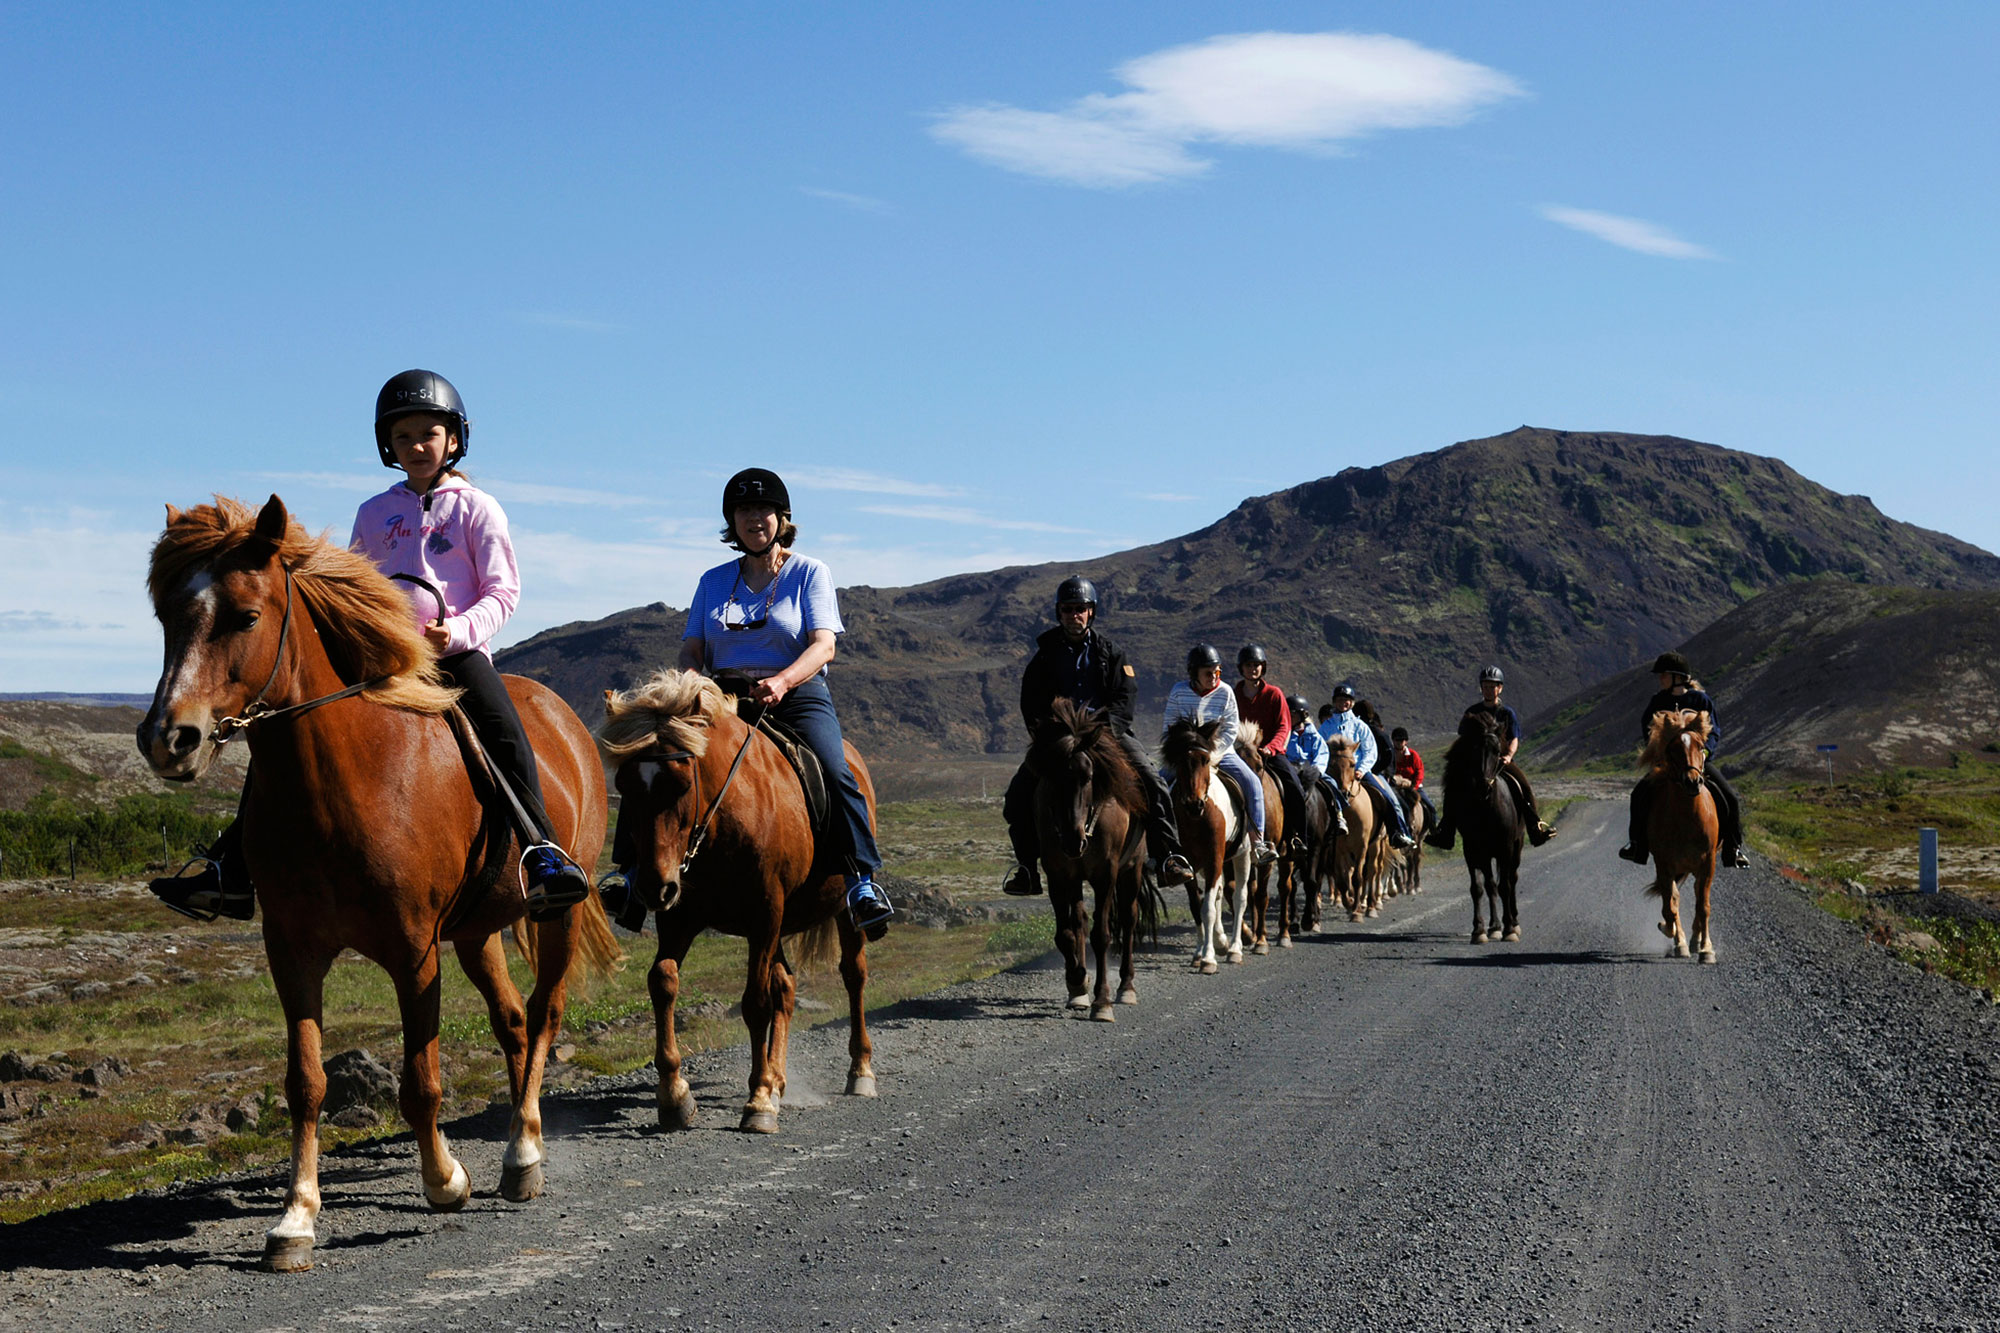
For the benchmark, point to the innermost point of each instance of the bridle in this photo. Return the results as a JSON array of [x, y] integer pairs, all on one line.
[[699, 838], [227, 729]]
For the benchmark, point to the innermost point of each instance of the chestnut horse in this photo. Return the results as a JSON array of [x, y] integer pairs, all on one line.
[[1353, 851], [362, 827], [1482, 806], [1090, 815], [1212, 838], [722, 840], [1249, 737], [1682, 827]]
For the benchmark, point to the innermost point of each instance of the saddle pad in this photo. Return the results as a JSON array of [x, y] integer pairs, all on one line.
[[812, 773], [1236, 801]]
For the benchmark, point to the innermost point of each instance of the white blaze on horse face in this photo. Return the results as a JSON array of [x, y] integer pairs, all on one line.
[[185, 623]]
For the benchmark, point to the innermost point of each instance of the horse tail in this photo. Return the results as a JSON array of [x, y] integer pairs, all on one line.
[[1152, 906], [595, 949], [818, 944]]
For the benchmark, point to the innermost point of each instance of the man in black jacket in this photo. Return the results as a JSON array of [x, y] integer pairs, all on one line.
[[1073, 661]]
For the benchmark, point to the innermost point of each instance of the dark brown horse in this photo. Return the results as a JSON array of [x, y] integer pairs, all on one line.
[[1090, 815], [1682, 827], [1249, 737], [1307, 867], [723, 840], [1482, 807], [1212, 838], [362, 827]]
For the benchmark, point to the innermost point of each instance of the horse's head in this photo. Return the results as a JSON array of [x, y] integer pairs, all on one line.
[[1072, 774], [1189, 749], [1677, 745], [1340, 761], [1249, 740], [221, 598], [655, 742]]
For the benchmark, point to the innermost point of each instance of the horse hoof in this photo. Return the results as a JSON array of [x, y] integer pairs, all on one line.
[[1103, 1013], [1479, 937], [1261, 948], [1284, 941], [287, 1254], [1354, 916], [1374, 912], [1209, 969], [861, 1085], [759, 1122], [1708, 955], [1081, 1000], [1665, 929], [1128, 996], [1678, 951], [1513, 935], [452, 1196], [1233, 956], [678, 1112], [518, 1184]]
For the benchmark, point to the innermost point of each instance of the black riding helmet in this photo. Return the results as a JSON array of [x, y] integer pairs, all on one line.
[[1344, 690], [1250, 653], [420, 391], [1672, 662], [1492, 676], [1299, 708], [1076, 590], [755, 486], [1201, 655]]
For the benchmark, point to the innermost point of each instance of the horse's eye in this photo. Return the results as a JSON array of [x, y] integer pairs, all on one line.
[[248, 619]]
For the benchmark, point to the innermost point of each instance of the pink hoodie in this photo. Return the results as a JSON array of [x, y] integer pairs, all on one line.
[[455, 537]]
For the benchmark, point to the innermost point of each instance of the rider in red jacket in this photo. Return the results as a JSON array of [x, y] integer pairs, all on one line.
[[1261, 702]]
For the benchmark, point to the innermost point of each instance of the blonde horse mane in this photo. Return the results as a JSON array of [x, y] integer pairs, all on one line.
[[670, 711], [1663, 729], [1250, 736], [364, 620]]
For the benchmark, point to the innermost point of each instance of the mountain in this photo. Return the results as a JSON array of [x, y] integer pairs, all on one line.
[[1889, 675], [1563, 556]]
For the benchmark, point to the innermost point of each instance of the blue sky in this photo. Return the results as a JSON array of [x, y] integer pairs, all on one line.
[[989, 282]]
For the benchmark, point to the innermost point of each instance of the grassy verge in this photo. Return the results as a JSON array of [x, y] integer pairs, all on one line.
[[191, 1013]]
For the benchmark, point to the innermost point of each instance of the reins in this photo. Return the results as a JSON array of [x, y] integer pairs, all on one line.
[[227, 729], [700, 835]]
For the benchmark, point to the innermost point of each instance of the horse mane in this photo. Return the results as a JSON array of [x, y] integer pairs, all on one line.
[[1185, 737], [672, 710], [363, 619], [1465, 762], [1249, 736], [1339, 750], [1071, 727], [1663, 726]]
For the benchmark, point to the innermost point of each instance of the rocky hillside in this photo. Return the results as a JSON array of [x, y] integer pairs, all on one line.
[[1563, 556], [1890, 675]]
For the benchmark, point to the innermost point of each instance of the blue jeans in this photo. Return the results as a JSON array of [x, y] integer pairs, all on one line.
[[1249, 784], [808, 710], [1382, 788]]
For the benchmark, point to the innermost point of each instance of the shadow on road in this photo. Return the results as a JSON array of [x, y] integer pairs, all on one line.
[[1505, 957]]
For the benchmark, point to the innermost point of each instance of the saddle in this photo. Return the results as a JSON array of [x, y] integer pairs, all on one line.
[[811, 772], [1236, 803]]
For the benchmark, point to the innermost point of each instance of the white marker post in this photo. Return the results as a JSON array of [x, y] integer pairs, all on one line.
[[1827, 752], [1927, 876]]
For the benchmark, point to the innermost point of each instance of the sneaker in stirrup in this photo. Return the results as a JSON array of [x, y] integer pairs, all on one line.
[[1540, 833], [621, 903], [1176, 869], [1022, 882], [1440, 838], [1264, 853], [554, 882], [869, 906], [1402, 842], [203, 896], [1340, 821], [1734, 858], [1634, 853]]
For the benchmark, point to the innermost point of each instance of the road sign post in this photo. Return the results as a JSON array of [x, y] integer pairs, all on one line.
[[1826, 752]]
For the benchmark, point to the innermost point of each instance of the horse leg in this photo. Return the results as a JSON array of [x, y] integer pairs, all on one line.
[[1129, 887], [486, 968], [299, 973], [676, 1100], [1704, 880], [854, 975], [760, 1112], [1668, 888], [417, 990], [1209, 906], [1288, 874], [1100, 946], [521, 1163], [1066, 904], [1510, 886], [1239, 903], [1478, 902], [784, 995]]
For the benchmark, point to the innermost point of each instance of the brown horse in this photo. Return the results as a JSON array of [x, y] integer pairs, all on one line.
[[1090, 814], [1308, 863], [362, 827], [723, 840], [1249, 737], [1352, 850], [1408, 864], [1682, 827], [1212, 838]]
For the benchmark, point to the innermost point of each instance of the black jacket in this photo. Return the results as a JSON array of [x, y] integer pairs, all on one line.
[[1108, 681], [1692, 701]]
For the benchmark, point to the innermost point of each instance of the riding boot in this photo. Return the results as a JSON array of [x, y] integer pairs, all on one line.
[[1163, 835], [1524, 800], [1728, 806], [1634, 849], [220, 887], [1443, 835], [1337, 803]]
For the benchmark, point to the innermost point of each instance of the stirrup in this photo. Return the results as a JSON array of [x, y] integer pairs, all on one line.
[[1176, 869], [200, 896], [1402, 842], [551, 883], [621, 903], [869, 906], [1636, 855], [1022, 882], [1265, 853], [1734, 858], [1540, 834], [1440, 840]]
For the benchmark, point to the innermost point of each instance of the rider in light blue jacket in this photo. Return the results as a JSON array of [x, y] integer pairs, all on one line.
[[1307, 751], [1347, 726]]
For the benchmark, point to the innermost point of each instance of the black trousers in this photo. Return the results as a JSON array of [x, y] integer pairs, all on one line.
[[1291, 796], [1163, 839], [494, 717], [1728, 809]]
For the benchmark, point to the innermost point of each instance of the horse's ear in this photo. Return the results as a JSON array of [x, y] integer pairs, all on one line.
[[272, 521], [173, 516]]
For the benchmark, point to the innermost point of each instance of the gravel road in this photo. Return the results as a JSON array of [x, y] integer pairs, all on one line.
[[1384, 1128]]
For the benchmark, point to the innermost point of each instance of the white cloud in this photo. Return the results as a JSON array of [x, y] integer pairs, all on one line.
[[1647, 238], [861, 203], [955, 514], [873, 483], [76, 615], [1300, 91]]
